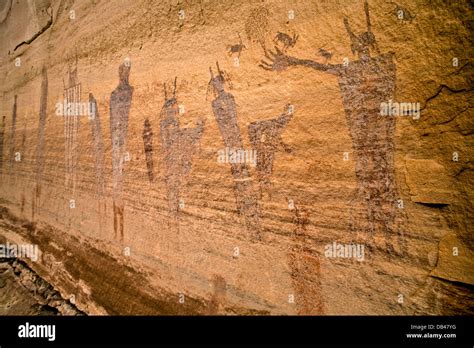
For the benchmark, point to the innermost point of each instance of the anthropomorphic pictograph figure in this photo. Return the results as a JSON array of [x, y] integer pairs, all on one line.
[[364, 84], [304, 265], [11, 156], [179, 146], [148, 145], [72, 97], [265, 137], [225, 112], [40, 144], [98, 142], [120, 101]]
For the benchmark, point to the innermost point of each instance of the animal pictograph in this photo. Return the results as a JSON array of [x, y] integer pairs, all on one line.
[[236, 48], [285, 40], [325, 54]]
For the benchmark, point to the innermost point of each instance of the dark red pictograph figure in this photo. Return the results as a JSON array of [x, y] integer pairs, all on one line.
[[364, 84], [179, 145], [120, 101], [225, 112]]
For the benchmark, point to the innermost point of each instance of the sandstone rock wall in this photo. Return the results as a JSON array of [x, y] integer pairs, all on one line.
[[132, 209]]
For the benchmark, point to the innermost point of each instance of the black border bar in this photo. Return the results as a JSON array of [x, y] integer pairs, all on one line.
[[260, 330]]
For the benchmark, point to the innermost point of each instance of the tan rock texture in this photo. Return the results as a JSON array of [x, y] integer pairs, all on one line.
[[147, 206]]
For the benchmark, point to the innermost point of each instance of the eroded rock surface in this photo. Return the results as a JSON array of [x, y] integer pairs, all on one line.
[[133, 209]]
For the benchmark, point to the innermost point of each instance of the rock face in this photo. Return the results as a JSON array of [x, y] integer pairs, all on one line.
[[241, 157], [22, 292]]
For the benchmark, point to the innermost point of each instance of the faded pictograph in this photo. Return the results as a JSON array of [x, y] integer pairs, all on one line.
[[40, 142], [98, 143], [217, 302], [179, 145], [148, 145], [98, 149], [257, 25], [225, 112], [11, 156], [22, 152], [364, 84], [304, 266], [72, 96], [120, 102], [265, 137]]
